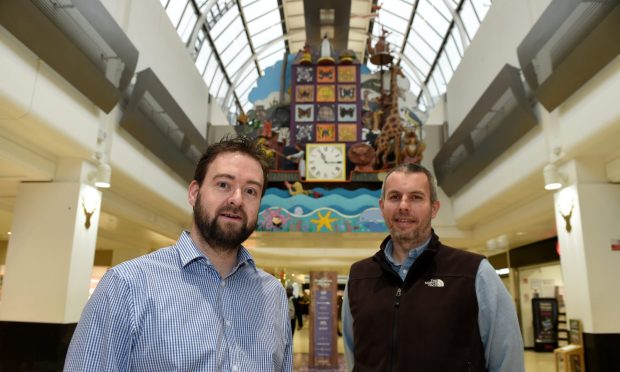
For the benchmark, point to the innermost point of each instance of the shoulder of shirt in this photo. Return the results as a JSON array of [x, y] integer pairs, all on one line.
[[486, 268], [268, 279], [147, 262]]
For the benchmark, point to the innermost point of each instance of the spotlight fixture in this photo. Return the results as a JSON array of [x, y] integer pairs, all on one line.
[[101, 177], [553, 178]]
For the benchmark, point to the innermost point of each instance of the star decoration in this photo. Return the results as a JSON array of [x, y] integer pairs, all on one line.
[[324, 221]]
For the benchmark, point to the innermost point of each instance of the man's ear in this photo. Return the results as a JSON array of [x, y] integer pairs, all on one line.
[[192, 192], [435, 208]]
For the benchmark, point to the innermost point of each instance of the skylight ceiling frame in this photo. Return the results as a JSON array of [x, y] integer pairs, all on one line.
[[218, 29], [441, 50], [202, 24], [259, 67], [188, 16], [203, 58], [248, 36], [261, 50], [254, 55], [211, 14], [284, 25], [232, 48], [265, 29], [408, 46]]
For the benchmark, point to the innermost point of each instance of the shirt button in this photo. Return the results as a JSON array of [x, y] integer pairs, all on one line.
[[405, 271], [235, 368], [223, 283], [227, 323]]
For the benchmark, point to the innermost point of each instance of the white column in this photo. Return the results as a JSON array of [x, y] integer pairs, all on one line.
[[590, 209], [51, 250]]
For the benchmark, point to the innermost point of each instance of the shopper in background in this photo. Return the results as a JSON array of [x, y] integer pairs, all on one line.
[[292, 311], [298, 312], [420, 305], [201, 304]]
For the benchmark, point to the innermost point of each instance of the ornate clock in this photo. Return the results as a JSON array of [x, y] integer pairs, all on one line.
[[326, 162]]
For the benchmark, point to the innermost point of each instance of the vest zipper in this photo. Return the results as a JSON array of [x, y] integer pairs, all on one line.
[[395, 329]]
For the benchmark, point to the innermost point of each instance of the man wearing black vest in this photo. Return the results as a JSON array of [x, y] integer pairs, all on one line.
[[418, 305]]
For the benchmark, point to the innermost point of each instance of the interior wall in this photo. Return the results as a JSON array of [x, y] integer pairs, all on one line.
[[3, 246], [542, 281]]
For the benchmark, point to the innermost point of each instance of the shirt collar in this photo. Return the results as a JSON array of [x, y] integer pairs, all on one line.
[[411, 256], [189, 252]]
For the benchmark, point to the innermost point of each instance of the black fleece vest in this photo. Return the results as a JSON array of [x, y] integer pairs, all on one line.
[[428, 323]]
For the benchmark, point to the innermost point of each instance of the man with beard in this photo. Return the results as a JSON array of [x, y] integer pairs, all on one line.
[[418, 305], [201, 304]]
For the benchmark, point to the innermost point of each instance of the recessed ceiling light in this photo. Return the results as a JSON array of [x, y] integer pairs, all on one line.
[[519, 233]]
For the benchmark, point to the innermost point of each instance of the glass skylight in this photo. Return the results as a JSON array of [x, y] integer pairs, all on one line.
[[234, 41]]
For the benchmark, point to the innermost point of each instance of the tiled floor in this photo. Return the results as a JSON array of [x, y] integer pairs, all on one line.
[[534, 362]]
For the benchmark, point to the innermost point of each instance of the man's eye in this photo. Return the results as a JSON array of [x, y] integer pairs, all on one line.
[[222, 185], [252, 192]]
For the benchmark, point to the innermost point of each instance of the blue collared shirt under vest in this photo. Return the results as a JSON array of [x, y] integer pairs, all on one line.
[[171, 311]]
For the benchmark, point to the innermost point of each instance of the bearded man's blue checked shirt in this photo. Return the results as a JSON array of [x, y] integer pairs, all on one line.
[[171, 311]]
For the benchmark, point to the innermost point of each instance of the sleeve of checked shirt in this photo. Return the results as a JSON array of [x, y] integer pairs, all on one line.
[[497, 319], [287, 366], [102, 338]]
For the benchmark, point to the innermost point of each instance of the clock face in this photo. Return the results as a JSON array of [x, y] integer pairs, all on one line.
[[325, 162]]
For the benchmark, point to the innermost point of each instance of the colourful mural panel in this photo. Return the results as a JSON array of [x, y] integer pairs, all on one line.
[[321, 210]]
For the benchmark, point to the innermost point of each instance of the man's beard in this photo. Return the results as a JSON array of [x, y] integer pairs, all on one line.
[[415, 236], [218, 237]]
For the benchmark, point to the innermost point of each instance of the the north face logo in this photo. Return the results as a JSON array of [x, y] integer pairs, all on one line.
[[435, 283]]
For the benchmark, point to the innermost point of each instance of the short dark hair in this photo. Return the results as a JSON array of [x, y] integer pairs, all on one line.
[[413, 168], [242, 144]]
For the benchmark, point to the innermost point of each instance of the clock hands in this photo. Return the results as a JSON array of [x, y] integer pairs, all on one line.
[[328, 161], [323, 156]]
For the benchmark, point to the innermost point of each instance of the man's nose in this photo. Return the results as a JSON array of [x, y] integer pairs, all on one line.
[[236, 197]]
